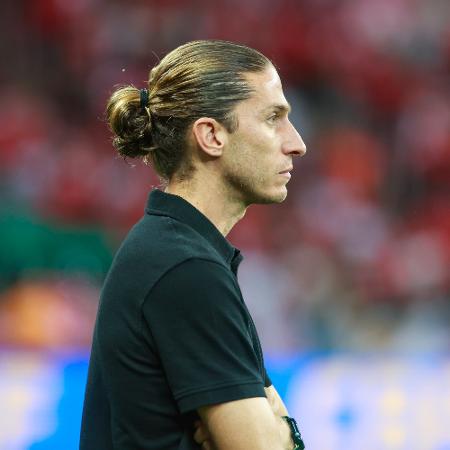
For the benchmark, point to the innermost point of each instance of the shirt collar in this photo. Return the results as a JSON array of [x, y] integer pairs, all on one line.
[[165, 204]]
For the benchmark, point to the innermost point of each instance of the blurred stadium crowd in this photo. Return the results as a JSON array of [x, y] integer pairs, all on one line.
[[358, 256]]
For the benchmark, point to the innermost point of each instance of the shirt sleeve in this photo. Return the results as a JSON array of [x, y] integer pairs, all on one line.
[[201, 331]]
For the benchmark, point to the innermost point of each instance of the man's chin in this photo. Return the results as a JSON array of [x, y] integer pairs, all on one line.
[[282, 196], [272, 197]]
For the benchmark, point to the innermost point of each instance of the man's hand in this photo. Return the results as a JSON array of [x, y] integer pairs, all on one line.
[[202, 436], [275, 402]]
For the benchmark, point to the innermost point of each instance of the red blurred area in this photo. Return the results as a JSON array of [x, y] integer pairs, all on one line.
[[363, 239]]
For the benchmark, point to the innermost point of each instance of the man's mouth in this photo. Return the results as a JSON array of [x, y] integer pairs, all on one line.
[[287, 171]]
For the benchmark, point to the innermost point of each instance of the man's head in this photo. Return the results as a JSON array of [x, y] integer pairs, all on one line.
[[255, 160], [211, 104]]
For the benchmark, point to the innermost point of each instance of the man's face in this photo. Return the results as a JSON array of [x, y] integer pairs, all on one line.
[[258, 156]]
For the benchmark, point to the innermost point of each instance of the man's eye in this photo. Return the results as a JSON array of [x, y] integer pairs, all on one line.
[[272, 118]]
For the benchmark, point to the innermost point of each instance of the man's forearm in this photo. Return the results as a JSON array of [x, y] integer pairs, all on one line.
[[245, 425]]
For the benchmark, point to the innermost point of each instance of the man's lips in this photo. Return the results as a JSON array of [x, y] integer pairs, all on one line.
[[290, 169]]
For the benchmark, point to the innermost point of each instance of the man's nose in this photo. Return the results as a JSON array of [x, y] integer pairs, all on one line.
[[293, 144]]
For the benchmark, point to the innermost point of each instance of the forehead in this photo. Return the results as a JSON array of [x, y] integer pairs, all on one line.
[[267, 89]]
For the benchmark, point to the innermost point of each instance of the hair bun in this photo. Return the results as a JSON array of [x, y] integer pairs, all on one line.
[[129, 120]]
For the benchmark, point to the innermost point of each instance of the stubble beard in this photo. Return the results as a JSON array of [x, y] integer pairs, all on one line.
[[249, 187], [250, 191]]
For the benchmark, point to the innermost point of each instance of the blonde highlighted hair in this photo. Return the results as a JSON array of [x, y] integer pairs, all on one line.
[[198, 79]]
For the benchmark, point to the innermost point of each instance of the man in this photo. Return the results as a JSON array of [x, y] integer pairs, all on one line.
[[176, 361]]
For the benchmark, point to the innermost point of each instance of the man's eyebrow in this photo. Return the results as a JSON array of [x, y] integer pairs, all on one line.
[[280, 107]]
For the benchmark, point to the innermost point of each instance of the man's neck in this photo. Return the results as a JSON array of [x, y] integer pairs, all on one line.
[[212, 200]]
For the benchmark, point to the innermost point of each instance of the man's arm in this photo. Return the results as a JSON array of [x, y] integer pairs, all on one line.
[[275, 402], [209, 358], [248, 424]]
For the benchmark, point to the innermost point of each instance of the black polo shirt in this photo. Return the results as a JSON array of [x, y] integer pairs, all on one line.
[[172, 334]]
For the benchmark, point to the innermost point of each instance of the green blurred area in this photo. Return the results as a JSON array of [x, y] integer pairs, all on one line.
[[30, 244]]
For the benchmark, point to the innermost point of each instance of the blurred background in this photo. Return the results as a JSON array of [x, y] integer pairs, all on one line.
[[348, 280]]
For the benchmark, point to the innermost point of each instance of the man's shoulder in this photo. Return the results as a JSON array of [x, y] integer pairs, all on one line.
[[166, 237], [156, 245]]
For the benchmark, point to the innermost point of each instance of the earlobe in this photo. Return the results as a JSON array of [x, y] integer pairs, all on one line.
[[209, 136]]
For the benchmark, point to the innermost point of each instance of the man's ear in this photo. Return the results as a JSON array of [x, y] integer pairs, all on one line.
[[210, 136]]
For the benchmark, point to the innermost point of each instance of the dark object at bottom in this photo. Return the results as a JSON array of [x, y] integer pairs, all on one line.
[[295, 433]]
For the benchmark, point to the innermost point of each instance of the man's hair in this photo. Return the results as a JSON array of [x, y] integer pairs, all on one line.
[[198, 79]]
